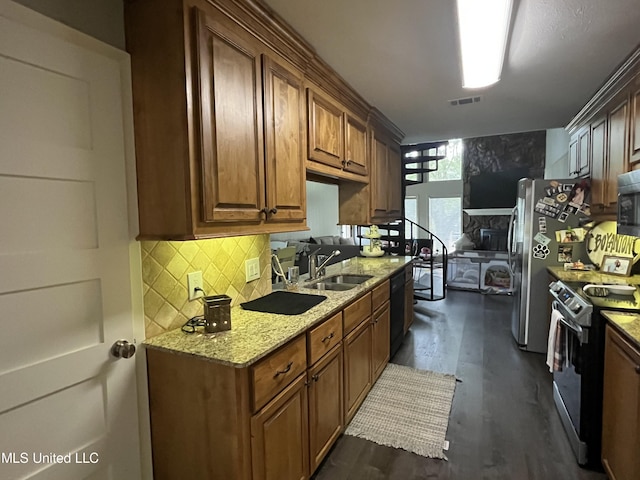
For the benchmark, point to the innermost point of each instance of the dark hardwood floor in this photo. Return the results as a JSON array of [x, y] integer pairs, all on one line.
[[503, 422]]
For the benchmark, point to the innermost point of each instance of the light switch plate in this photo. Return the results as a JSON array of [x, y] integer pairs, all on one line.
[[194, 280], [252, 269]]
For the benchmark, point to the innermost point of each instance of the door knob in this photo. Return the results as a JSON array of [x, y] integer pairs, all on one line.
[[123, 349]]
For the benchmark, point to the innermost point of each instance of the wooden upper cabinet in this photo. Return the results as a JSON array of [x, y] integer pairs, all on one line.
[[634, 150], [378, 180], [598, 162], [284, 120], [219, 122], [336, 138], [386, 179], [326, 130], [618, 159], [579, 153], [573, 158], [356, 160], [394, 165], [232, 154]]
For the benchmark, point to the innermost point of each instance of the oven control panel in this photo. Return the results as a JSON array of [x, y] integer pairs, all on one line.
[[575, 307]]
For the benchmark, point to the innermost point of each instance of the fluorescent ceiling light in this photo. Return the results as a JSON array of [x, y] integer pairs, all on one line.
[[484, 27]]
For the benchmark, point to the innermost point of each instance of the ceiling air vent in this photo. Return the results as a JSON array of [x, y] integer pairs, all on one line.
[[464, 101]]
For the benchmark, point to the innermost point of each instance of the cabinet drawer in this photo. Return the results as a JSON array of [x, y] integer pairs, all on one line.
[[356, 312], [324, 337], [271, 374], [379, 295]]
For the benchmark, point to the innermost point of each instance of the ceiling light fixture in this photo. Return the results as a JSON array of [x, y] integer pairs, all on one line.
[[484, 28]]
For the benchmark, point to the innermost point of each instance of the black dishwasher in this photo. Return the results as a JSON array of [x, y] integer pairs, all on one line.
[[396, 307]]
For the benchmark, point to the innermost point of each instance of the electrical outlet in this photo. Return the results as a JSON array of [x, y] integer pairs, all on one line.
[[252, 269], [194, 281]]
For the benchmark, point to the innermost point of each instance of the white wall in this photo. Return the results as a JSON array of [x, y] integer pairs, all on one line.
[[322, 213], [556, 163]]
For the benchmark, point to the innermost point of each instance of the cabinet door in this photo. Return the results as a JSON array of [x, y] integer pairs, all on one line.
[[280, 436], [356, 142], [621, 409], [598, 161], [231, 123], [380, 334], [394, 182], [326, 405], [635, 125], [326, 130], [377, 181], [573, 158], [617, 158], [583, 152], [284, 141], [357, 368]]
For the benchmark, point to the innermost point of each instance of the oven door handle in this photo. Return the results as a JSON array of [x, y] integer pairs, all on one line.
[[582, 334]]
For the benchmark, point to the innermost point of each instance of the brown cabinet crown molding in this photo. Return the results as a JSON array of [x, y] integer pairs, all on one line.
[[621, 78]]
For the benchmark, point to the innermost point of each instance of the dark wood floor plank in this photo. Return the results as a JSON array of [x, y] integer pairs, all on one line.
[[503, 423]]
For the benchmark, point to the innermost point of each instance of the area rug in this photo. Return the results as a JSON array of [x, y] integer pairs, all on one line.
[[408, 409]]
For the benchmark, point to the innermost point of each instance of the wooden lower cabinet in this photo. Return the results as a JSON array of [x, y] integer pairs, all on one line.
[[357, 368], [279, 436], [326, 419], [621, 408], [380, 337], [277, 418]]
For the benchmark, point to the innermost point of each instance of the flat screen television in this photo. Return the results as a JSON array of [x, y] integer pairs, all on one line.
[[495, 189]]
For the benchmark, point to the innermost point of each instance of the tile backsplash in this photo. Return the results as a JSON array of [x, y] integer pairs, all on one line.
[[165, 266]]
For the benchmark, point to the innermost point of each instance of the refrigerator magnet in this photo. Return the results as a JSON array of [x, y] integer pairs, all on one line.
[[562, 197], [548, 201], [563, 217], [540, 251], [565, 253], [570, 209], [542, 224], [543, 239]]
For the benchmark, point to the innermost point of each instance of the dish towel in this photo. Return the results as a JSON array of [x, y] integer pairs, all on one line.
[[555, 343]]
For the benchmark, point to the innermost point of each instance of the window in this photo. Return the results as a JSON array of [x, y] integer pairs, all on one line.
[[449, 168], [445, 219], [410, 213]]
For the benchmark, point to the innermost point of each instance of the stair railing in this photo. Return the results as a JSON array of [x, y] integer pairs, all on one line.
[[432, 260]]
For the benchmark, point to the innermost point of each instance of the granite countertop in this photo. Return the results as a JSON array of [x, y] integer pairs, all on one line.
[[254, 334], [627, 323], [592, 276]]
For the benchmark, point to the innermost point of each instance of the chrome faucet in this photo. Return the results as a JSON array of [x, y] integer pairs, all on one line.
[[315, 270]]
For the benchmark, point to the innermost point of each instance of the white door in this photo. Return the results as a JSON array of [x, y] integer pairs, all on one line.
[[67, 406]]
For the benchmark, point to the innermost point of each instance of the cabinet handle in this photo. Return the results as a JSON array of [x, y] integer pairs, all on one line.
[[328, 337], [638, 369], [315, 377], [273, 211], [264, 210], [282, 372]]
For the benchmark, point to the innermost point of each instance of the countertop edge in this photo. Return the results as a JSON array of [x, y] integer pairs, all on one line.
[[159, 343]]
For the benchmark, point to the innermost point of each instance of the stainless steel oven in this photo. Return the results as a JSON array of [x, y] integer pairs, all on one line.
[[629, 203], [578, 385], [575, 382]]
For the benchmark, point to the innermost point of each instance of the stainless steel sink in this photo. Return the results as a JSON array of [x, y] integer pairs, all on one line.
[[339, 282], [351, 279], [331, 286]]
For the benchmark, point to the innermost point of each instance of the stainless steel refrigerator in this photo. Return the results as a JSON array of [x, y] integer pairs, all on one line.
[[545, 230]]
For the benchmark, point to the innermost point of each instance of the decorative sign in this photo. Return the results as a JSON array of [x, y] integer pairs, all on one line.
[[603, 239]]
